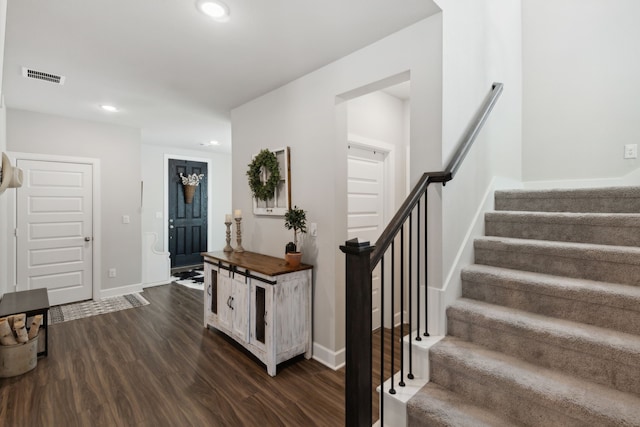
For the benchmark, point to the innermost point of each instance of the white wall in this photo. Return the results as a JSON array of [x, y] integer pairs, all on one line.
[[381, 117], [219, 186], [581, 89], [4, 212], [309, 116], [4, 236], [118, 149], [481, 45]]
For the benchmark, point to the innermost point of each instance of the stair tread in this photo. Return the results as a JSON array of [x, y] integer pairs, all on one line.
[[564, 193], [595, 219], [621, 254], [443, 407], [608, 344], [548, 387], [613, 294]]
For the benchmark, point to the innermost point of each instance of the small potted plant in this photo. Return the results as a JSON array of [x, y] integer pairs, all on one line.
[[295, 219]]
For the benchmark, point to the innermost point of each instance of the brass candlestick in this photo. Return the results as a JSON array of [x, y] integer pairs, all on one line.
[[238, 248], [228, 248]]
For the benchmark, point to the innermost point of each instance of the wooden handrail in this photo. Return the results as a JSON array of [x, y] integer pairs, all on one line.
[[362, 258]]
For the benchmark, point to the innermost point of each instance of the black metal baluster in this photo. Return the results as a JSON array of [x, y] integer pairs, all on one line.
[[418, 338], [410, 374], [401, 383], [392, 390], [426, 271], [382, 341]]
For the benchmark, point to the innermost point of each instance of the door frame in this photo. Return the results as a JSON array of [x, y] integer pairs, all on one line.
[[165, 196], [97, 216], [388, 202]]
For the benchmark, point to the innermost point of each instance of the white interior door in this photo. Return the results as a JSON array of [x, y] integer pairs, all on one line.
[[365, 185], [55, 230]]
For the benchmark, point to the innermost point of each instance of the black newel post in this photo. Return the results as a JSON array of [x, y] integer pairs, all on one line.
[[358, 381]]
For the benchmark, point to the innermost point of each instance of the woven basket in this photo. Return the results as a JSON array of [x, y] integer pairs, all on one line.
[[18, 359], [189, 191]]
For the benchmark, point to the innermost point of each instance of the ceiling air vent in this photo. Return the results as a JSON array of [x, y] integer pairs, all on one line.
[[41, 75]]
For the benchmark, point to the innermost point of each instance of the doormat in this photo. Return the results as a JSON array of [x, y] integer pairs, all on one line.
[[193, 279], [79, 310]]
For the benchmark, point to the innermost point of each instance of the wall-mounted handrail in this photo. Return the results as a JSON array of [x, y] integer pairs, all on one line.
[[362, 258], [473, 130]]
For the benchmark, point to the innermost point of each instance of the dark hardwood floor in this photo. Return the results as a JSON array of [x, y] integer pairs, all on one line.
[[157, 366]]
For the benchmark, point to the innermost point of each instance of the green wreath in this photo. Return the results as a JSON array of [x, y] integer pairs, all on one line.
[[264, 190]]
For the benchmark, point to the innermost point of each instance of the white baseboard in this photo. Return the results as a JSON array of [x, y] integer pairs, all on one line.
[[631, 178], [452, 289], [122, 290], [331, 359], [161, 283]]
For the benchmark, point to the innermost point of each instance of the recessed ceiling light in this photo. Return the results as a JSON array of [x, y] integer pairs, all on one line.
[[214, 9], [109, 108]]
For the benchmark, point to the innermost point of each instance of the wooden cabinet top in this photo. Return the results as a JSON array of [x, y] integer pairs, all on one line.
[[264, 264]]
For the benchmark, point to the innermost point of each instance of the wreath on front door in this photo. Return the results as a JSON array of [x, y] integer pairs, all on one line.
[[264, 175]]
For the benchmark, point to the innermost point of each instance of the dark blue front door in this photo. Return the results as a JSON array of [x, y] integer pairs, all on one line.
[[187, 222]]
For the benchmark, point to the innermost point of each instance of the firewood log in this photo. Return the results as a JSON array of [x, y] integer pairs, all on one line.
[[6, 334], [20, 328], [35, 326]]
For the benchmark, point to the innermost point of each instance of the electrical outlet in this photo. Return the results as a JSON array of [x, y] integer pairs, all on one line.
[[313, 229], [126, 219], [631, 151], [112, 272]]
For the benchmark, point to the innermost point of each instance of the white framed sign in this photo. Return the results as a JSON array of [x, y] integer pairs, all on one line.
[[281, 201]]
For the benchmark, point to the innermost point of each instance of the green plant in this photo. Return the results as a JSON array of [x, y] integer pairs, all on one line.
[[264, 175], [296, 219]]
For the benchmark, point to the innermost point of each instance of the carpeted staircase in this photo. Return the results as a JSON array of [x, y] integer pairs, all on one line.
[[547, 332]]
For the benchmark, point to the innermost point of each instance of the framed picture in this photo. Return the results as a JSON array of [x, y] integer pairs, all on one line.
[[281, 201]]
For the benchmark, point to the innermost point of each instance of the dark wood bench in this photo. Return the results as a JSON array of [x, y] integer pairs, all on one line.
[[32, 302]]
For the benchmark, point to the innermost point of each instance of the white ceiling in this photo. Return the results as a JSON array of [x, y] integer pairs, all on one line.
[[174, 72]]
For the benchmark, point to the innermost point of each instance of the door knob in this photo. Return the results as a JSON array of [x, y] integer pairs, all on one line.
[[87, 239]]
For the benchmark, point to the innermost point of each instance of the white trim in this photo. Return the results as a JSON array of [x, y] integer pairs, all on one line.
[[165, 196], [397, 318], [439, 299], [121, 290], [331, 359], [632, 178], [160, 283], [97, 212]]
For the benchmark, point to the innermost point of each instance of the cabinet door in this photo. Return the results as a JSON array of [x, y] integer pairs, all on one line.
[[225, 313], [239, 308], [210, 294], [259, 314]]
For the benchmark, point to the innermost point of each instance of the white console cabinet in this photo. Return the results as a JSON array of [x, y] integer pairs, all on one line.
[[261, 302]]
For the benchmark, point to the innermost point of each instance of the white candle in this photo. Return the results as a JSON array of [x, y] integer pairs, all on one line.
[[227, 218], [238, 213]]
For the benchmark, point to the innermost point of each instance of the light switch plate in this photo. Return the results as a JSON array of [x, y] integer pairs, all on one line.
[[631, 151]]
